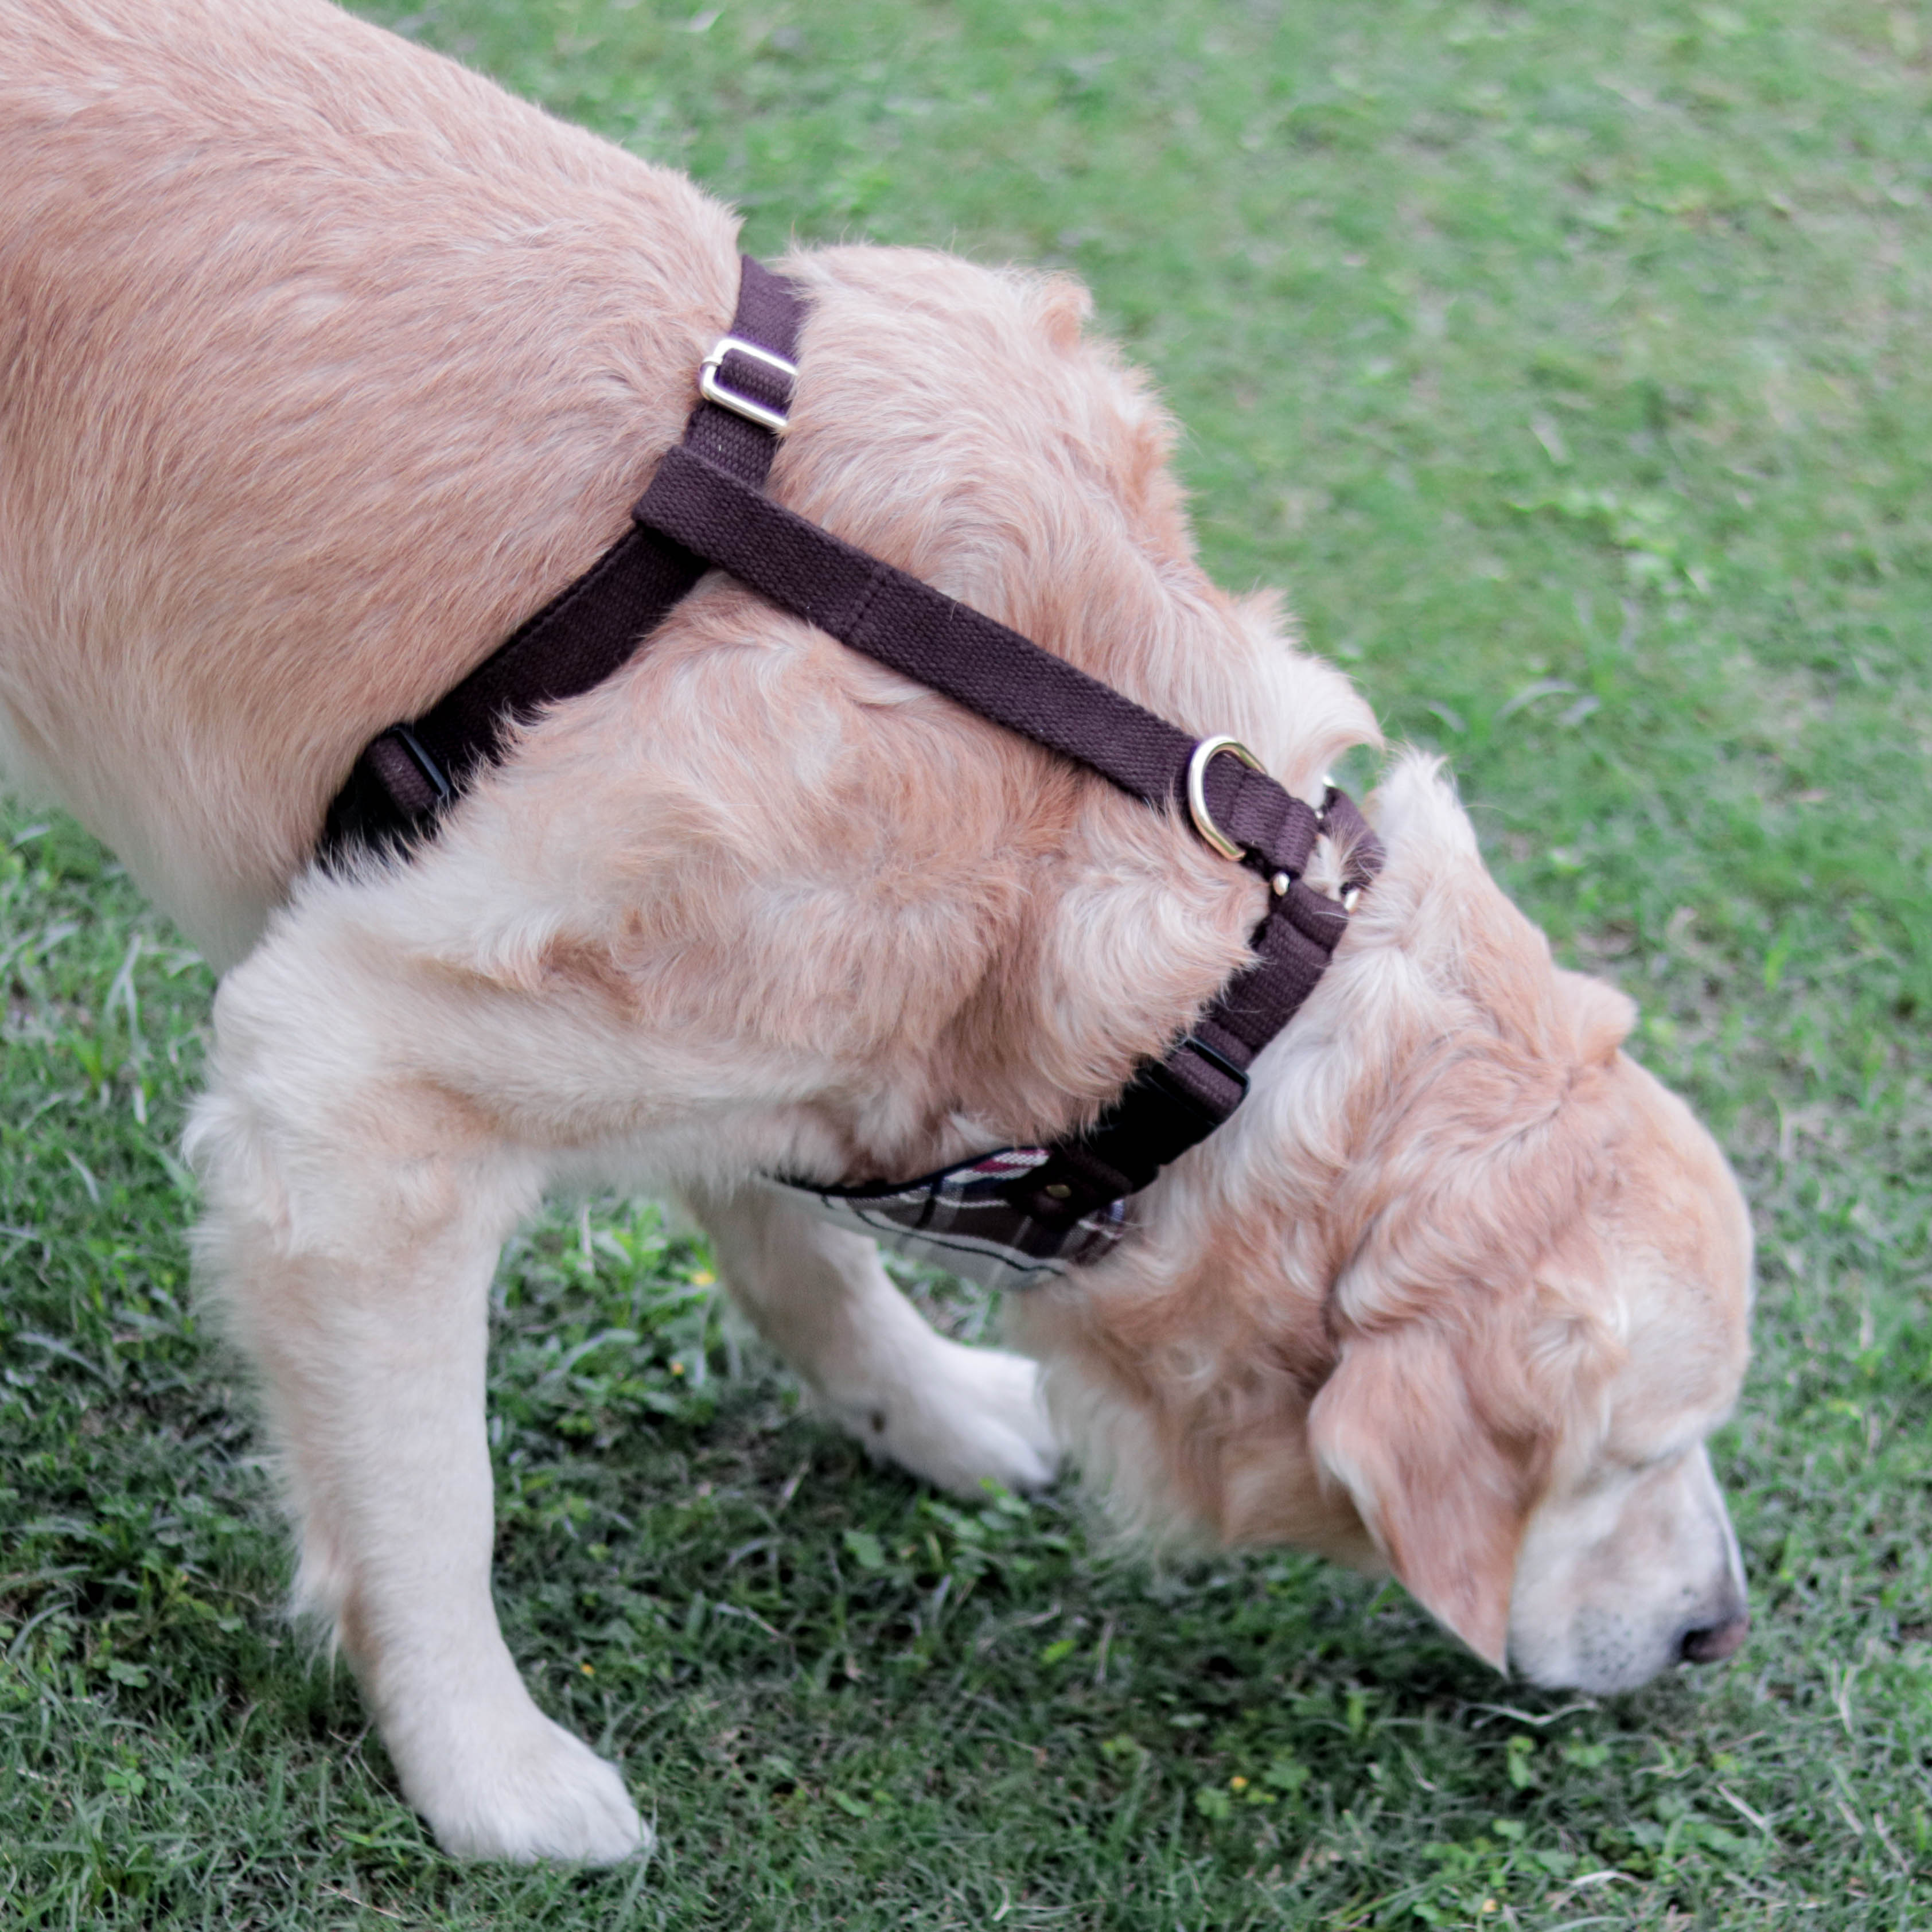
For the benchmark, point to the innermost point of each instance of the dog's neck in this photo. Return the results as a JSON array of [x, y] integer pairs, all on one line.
[[1185, 1367]]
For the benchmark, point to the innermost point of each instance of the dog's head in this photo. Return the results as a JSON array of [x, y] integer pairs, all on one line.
[[1463, 1291], [1459, 1288]]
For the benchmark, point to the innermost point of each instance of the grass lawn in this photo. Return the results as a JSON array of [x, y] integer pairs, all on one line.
[[1570, 366]]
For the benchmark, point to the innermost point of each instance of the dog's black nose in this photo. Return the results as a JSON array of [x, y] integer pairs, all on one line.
[[1711, 1643]]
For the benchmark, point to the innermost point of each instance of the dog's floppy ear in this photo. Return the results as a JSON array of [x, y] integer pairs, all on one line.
[[1445, 1499], [1064, 307], [1599, 1015]]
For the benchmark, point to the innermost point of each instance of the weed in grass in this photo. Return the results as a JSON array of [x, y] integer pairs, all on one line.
[[1569, 367]]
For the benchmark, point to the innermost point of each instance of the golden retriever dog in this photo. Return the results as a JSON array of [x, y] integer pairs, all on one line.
[[322, 364]]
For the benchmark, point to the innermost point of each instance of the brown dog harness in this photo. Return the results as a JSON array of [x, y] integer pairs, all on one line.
[[1033, 1210]]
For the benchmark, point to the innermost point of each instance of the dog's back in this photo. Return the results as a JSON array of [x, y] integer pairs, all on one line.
[[324, 362]]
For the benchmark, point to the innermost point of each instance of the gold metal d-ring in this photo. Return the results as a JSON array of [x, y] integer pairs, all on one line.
[[1204, 753]]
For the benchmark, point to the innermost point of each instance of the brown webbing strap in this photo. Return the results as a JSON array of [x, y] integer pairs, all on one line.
[[706, 507], [906, 624], [405, 777], [1175, 1103]]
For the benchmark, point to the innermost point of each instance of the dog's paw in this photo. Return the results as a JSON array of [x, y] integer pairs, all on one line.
[[972, 1414], [529, 1793]]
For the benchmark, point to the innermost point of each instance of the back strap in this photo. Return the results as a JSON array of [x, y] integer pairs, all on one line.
[[405, 778]]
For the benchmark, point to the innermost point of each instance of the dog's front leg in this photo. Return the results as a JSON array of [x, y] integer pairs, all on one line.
[[957, 1416], [354, 1221]]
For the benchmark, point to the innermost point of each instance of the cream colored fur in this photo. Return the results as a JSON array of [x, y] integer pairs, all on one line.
[[324, 363]]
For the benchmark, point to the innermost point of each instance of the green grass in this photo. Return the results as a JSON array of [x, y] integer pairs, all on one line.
[[1570, 366]]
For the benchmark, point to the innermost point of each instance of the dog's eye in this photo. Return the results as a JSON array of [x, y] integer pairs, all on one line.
[[1621, 1466]]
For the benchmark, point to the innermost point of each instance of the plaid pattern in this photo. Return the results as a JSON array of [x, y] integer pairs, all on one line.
[[961, 1219]]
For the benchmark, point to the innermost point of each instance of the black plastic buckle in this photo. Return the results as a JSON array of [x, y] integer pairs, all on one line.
[[1159, 1077]]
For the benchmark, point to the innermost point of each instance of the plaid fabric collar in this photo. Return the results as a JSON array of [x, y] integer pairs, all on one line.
[[969, 1220]]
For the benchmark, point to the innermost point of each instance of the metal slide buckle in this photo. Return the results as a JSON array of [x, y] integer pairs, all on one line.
[[749, 407], [1205, 755]]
